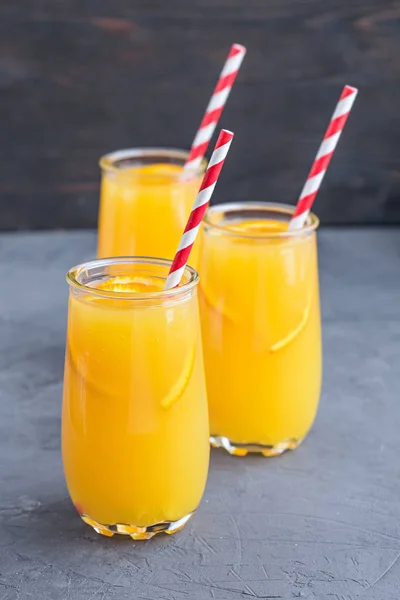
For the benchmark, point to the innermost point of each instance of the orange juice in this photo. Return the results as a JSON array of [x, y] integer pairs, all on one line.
[[135, 435], [259, 304], [144, 205]]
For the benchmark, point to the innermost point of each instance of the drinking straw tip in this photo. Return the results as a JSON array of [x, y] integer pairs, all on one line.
[[199, 208], [225, 137], [323, 157], [215, 107], [350, 89], [239, 48]]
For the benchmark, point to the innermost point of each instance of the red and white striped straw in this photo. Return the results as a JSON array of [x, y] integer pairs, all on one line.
[[214, 108], [199, 208], [323, 158]]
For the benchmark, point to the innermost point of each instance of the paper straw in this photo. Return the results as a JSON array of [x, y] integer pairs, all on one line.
[[199, 208], [323, 158], [214, 108]]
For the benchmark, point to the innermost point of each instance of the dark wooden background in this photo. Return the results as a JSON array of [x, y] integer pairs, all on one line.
[[79, 78]]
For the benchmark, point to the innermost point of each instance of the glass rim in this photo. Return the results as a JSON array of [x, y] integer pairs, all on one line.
[[311, 225], [74, 283], [108, 161]]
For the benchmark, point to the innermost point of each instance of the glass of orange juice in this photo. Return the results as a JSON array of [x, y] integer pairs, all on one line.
[[142, 186], [135, 435], [259, 305]]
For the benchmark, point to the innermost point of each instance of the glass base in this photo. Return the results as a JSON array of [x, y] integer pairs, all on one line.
[[135, 532], [237, 449]]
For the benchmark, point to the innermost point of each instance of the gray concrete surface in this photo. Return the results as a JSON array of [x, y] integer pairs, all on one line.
[[322, 522]]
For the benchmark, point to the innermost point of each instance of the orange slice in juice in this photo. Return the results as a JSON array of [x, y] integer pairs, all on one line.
[[139, 337], [159, 174], [215, 305], [294, 333], [126, 284], [178, 388], [258, 227]]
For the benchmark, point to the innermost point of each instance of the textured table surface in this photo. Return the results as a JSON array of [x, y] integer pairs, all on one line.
[[322, 522]]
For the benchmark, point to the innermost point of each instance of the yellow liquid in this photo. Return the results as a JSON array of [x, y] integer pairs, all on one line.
[[144, 210], [135, 424], [259, 304]]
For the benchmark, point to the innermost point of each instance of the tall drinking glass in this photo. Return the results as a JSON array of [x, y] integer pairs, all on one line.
[[259, 304], [135, 436], [144, 203]]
